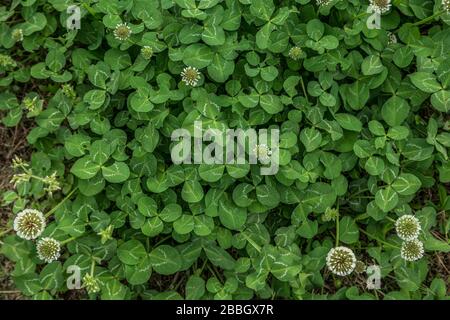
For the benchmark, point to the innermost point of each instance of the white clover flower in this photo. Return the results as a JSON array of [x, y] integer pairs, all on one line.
[[190, 76], [122, 32], [295, 53], [412, 250], [147, 52], [48, 249], [91, 284], [323, 2], [17, 35], [392, 37], [407, 227], [341, 261], [446, 5], [29, 224], [262, 152], [380, 6]]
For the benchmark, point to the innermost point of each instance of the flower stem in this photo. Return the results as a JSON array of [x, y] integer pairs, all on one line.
[[423, 21], [337, 228], [379, 240], [5, 232], [67, 240], [48, 214], [303, 88]]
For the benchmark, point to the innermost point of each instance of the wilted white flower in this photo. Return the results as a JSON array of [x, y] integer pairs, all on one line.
[[122, 32], [147, 52], [29, 224], [412, 250], [48, 249], [262, 151], [17, 35], [380, 6], [91, 284], [341, 261], [407, 227], [190, 76], [392, 38], [295, 53]]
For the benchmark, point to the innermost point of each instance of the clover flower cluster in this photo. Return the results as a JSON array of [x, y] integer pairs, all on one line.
[[6, 61], [408, 229], [68, 91], [91, 284], [147, 52], [380, 6], [392, 38], [262, 152], [446, 5], [190, 76], [17, 35], [341, 261], [295, 53], [50, 182], [330, 214], [48, 249], [323, 2], [122, 32], [29, 224]]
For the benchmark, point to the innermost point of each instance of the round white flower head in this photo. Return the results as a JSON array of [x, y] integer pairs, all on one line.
[[147, 52], [341, 261], [295, 53], [380, 6], [407, 227], [446, 5], [262, 152], [29, 224], [48, 249], [91, 284], [190, 76], [122, 32], [412, 250]]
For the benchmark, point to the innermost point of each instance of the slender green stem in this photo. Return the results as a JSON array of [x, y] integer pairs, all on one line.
[[362, 216], [358, 192], [5, 232], [337, 228], [162, 240], [379, 240], [423, 21], [92, 267], [48, 214], [390, 219], [68, 240], [304, 89]]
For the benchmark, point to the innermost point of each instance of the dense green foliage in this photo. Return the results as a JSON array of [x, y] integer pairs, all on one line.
[[364, 139]]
